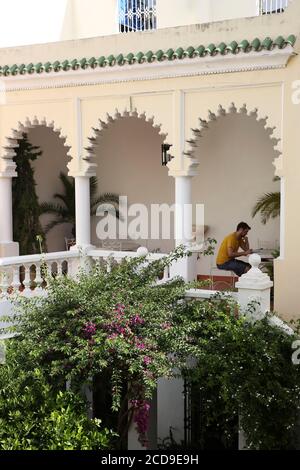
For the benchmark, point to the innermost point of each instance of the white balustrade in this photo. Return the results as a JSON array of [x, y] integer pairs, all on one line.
[[268, 7], [108, 259], [28, 274]]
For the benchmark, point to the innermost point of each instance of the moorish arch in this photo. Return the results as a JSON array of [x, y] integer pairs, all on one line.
[[16, 134], [236, 152], [126, 151], [212, 117], [56, 155], [103, 125]]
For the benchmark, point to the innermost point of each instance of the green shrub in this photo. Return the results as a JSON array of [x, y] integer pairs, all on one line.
[[244, 371], [114, 323], [35, 416]]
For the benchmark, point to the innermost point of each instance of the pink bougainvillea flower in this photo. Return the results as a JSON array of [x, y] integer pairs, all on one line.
[[89, 330], [147, 360], [137, 320]]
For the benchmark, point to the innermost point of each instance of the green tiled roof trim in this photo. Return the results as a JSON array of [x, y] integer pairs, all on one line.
[[244, 46]]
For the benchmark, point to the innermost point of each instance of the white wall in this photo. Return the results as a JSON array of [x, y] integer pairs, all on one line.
[[236, 156], [89, 18], [31, 21], [36, 21], [184, 12], [228, 9], [42, 21]]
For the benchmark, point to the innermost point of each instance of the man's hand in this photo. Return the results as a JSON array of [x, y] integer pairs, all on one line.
[[245, 244], [248, 252]]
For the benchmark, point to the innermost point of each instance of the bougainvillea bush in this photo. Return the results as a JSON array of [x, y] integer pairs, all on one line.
[[117, 323], [118, 330]]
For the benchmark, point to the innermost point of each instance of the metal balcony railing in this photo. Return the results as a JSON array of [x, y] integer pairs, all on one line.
[[137, 15], [268, 7]]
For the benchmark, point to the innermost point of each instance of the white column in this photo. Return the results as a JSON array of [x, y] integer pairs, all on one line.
[[183, 210], [185, 267], [7, 246], [82, 210]]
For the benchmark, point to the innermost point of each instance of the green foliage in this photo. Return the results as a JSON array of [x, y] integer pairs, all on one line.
[[64, 210], [268, 206], [117, 321], [35, 415], [122, 325], [26, 208], [244, 370], [269, 266]]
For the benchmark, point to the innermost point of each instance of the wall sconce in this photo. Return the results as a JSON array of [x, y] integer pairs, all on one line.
[[165, 156]]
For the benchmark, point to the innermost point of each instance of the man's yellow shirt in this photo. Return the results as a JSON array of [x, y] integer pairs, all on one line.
[[229, 241]]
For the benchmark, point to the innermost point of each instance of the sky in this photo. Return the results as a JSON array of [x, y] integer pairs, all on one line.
[[30, 21]]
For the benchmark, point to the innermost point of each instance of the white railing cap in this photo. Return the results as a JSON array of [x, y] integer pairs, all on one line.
[[27, 259], [207, 294]]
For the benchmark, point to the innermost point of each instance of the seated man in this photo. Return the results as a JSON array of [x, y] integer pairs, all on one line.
[[229, 251]]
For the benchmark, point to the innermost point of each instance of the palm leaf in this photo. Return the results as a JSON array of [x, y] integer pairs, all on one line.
[[51, 208], [268, 206], [65, 212]]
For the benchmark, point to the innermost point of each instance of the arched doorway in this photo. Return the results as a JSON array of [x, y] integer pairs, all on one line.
[[127, 151], [236, 154], [46, 169]]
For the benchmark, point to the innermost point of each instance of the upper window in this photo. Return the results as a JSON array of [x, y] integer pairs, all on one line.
[[137, 15], [273, 6]]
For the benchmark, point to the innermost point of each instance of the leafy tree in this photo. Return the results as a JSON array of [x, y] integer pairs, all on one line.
[[64, 210], [26, 208], [114, 323]]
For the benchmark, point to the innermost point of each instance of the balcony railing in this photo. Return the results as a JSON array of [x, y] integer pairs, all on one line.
[[268, 7], [29, 274], [137, 15]]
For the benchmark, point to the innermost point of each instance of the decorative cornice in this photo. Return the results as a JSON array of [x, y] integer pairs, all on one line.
[[234, 57]]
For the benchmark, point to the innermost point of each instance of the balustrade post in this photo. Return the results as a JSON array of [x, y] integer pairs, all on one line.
[[254, 287]]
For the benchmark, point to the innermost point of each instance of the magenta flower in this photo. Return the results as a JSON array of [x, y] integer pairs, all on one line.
[[147, 360], [89, 330], [112, 336], [141, 419], [137, 320], [120, 308]]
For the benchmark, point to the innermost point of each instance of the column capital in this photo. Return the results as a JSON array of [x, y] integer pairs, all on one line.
[[8, 168], [178, 173], [81, 174], [8, 174]]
